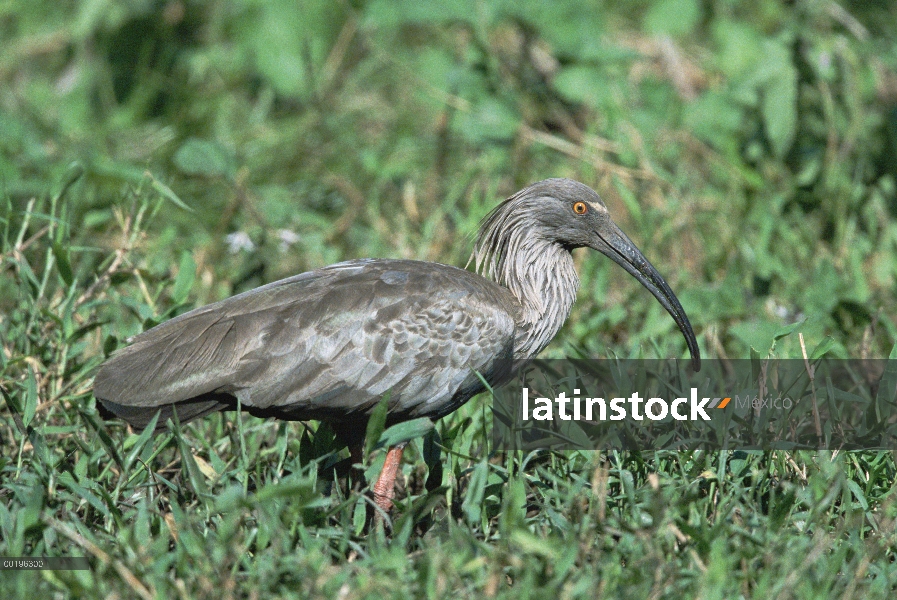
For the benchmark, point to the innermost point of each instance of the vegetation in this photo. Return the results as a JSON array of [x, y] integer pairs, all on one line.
[[159, 155]]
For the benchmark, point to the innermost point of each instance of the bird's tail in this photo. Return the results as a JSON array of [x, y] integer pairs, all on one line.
[[140, 416]]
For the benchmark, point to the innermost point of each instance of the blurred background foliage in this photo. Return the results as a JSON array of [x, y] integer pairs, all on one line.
[[749, 148], [156, 155]]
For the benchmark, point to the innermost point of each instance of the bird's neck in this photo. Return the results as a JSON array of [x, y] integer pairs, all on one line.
[[541, 276]]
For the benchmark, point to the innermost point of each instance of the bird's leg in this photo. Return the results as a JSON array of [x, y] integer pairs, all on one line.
[[384, 489]]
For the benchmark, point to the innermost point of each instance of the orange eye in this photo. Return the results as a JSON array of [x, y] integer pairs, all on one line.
[[580, 208]]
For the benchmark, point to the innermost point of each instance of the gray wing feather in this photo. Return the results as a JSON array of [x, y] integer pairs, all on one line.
[[327, 343]]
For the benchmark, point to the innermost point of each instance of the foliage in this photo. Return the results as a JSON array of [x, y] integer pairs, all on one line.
[[160, 155]]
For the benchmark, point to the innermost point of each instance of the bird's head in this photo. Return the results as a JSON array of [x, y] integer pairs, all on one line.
[[572, 215]]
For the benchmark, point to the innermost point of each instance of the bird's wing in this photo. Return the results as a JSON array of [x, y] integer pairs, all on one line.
[[326, 343]]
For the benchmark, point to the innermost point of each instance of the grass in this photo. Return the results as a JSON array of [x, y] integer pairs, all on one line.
[[757, 173]]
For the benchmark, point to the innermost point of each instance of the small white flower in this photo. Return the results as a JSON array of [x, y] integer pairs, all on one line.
[[239, 240], [781, 312], [287, 238]]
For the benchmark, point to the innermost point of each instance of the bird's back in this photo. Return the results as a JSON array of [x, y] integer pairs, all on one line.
[[326, 344]]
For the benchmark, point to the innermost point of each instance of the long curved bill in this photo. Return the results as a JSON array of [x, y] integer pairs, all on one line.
[[615, 244]]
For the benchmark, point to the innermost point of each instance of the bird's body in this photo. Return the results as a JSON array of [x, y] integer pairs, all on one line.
[[330, 343], [364, 328]]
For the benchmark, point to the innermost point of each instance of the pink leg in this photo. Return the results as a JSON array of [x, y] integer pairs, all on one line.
[[384, 490]]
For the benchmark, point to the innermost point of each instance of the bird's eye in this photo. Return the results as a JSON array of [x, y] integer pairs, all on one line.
[[580, 208]]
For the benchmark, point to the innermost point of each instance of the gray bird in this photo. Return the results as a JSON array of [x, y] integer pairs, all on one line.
[[330, 343]]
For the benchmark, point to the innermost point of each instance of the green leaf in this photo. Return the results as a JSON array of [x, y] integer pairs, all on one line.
[[823, 347], [787, 330], [887, 387], [857, 492], [231, 498], [74, 172], [490, 119], [67, 480], [31, 397], [359, 516], [376, 425], [12, 401], [739, 46], [513, 514], [473, 499], [394, 13], [716, 119], [300, 491], [202, 157], [142, 440], [570, 27], [63, 265], [93, 420], [94, 219], [758, 335], [169, 194], [197, 479], [673, 17], [194, 475], [779, 108], [404, 432], [583, 84], [774, 77], [186, 277], [290, 42]]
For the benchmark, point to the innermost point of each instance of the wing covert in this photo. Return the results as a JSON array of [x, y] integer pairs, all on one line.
[[327, 342]]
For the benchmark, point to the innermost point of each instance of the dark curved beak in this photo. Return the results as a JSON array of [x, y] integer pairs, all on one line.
[[613, 243]]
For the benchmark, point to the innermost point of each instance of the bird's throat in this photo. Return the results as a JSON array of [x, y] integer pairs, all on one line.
[[541, 276]]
